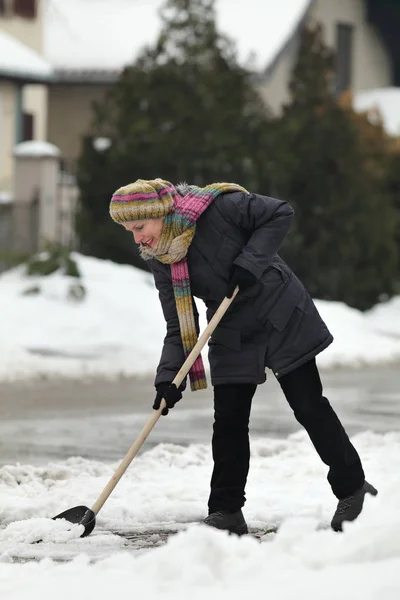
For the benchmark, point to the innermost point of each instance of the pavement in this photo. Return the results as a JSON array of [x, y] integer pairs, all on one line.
[[99, 419]]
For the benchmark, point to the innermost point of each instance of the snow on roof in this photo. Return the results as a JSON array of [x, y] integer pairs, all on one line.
[[19, 61], [36, 149], [386, 101], [99, 34], [5, 197]]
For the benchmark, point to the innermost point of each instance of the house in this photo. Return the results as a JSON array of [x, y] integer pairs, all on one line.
[[360, 32], [88, 43], [24, 76], [59, 56]]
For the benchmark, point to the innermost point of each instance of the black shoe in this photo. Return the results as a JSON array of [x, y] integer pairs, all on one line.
[[349, 508], [232, 522]]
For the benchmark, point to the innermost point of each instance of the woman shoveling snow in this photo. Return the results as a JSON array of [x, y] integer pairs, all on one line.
[[204, 242]]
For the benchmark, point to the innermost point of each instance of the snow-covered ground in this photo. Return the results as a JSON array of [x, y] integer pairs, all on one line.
[[118, 329], [166, 488]]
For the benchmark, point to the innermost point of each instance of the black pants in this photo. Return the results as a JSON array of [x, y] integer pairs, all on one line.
[[230, 443]]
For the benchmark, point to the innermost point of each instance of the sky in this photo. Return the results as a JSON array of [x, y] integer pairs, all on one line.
[[119, 328]]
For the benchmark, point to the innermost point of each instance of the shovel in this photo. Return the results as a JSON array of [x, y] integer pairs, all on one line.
[[82, 515]]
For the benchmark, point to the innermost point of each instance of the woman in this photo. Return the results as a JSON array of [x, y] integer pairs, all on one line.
[[204, 242]]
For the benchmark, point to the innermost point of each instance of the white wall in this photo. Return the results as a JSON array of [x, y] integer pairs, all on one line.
[[7, 134], [371, 63], [70, 115], [35, 101], [275, 91], [27, 31]]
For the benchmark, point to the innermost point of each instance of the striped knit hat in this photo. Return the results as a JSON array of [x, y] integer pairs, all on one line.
[[142, 199]]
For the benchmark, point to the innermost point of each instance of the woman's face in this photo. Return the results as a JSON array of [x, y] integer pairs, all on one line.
[[146, 232]]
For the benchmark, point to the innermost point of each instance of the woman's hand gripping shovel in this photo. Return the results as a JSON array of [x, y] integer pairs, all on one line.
[[82, 515]]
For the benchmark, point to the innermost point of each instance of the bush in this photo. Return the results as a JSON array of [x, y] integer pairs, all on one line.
[[54, 258]]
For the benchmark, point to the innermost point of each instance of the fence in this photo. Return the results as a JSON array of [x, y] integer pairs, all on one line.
[[19, 227], [25, 226]]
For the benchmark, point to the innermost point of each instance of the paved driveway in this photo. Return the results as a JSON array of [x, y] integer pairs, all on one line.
[[99, 419]]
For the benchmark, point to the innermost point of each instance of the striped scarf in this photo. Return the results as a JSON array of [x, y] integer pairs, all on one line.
[[177, 234]]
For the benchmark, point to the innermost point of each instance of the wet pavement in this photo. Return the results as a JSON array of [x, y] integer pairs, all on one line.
[[96, 419]]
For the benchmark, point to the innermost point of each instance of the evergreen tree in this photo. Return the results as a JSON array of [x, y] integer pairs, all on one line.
[[185, 110], [393, 183], [332, 166]]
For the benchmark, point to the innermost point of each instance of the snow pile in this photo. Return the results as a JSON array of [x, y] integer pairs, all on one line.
[[169, 484], [36, 149], [383, 104], [33, 531], [118, 329], [385, 318], [98, 34], [203, 563], [360, 339]]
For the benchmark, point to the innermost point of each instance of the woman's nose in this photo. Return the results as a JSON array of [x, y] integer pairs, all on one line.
[[137, 237]]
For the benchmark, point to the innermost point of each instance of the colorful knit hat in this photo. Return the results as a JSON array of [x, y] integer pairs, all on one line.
[[151, 199]]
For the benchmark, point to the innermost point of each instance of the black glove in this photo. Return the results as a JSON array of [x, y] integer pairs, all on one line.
[[241, 277], [170, 393]]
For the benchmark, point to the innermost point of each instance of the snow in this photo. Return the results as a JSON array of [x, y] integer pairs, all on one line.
[[119, 328], [36, 149], [98, 34], [5, 197], [167, 487], [385, 318], [16, 59], [386, 101], [101, 144], [50, 334]]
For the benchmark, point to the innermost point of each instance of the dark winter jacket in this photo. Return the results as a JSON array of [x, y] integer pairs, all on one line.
[[273, 324]]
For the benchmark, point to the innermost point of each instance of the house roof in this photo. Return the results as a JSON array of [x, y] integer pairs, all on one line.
[[385, 102], [17, 61], [99, 35]]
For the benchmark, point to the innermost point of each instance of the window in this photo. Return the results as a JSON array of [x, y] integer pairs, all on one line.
[[27, 127], [2, 131], [25, 8], [344, 56]]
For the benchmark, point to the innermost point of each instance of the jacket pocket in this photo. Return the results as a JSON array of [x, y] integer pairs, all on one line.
[[233, 360], [279, 314], [230, 338]]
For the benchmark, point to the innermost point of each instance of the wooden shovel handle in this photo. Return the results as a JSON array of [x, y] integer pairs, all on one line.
[[183, 371]]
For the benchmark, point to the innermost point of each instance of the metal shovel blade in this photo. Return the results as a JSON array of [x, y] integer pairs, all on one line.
[[81, 515]]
